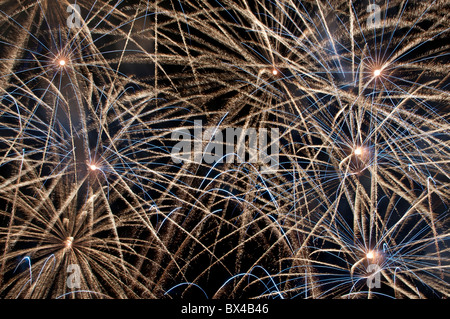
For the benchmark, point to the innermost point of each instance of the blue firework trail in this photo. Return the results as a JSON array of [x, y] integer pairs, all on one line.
[[91, 94]]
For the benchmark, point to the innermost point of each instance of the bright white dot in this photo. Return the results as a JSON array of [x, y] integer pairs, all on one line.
[[274, 71], [358, 151], [377, 72], [62, 62], [68, 242], [370, 255], [93, 167]]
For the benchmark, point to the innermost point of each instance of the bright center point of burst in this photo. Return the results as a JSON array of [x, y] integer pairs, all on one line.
[[93, 167], [370, 255], [377, 72], [274, 72], [62, 62], [358, 151]]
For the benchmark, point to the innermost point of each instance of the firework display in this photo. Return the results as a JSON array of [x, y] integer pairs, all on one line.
[[224, 149]]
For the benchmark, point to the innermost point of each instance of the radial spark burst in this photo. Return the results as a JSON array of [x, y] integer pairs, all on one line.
[[94, 205]]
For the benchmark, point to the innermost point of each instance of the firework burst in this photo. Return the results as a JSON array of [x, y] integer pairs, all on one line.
[[90, 97]]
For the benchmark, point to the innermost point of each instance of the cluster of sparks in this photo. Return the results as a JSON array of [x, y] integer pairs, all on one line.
[[87, 178]]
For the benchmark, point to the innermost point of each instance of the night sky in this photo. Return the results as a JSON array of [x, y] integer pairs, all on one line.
[[99, 97]]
